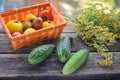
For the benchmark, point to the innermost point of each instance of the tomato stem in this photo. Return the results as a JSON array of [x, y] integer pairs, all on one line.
[[16, 21]]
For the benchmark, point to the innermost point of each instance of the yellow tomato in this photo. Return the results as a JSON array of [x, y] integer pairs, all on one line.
[[29, 30], [48, 24], [14, 26], [29, 17]]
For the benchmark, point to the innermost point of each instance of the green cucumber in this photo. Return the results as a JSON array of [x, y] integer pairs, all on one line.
[[64, 49], [40, 53], [75, 62]]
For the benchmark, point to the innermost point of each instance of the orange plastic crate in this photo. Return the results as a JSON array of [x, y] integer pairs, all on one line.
[[39, 35]]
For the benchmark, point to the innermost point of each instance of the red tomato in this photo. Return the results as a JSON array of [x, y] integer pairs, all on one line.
[[45, 15]]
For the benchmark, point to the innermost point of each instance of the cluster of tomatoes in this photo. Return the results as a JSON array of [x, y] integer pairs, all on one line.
[[31, 23]]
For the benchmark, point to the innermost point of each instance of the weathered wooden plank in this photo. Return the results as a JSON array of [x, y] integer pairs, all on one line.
[[69, 28], [76, 77], [16, 65], [6, 47]]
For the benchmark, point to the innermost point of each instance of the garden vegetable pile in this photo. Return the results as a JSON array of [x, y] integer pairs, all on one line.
[[63, 53], [98, 26]]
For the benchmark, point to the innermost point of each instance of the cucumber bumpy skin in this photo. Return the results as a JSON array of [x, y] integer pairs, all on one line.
[[64, 49], [75, 62], [40, 53]]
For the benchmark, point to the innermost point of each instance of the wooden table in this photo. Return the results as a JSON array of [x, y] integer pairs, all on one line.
[[14, 64]]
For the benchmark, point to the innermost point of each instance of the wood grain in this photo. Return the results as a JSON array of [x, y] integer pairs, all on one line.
[[16, 65]]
